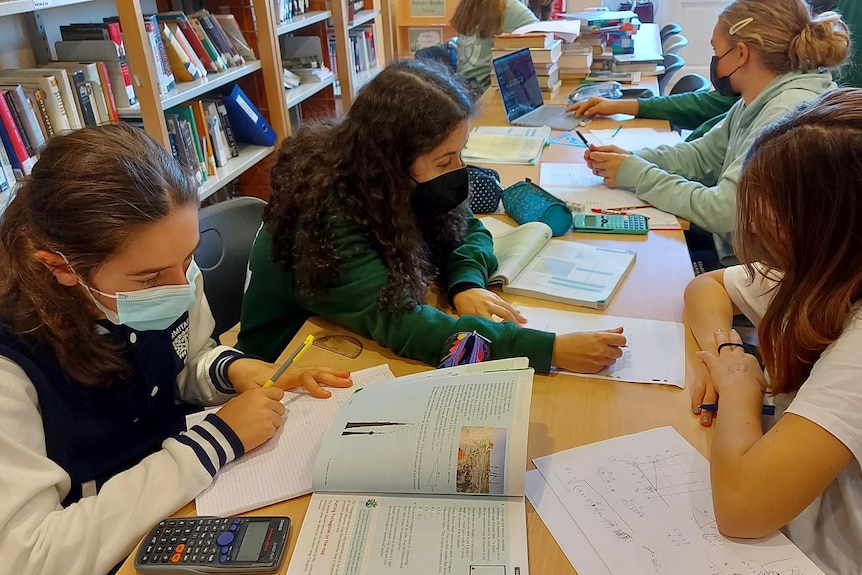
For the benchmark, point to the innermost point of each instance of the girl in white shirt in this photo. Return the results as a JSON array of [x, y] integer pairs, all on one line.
[[800, 219]]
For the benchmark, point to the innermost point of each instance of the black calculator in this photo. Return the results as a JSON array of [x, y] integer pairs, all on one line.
[[214, 545], [611, 224]]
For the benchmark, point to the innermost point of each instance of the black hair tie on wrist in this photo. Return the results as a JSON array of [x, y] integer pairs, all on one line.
[[729, 344]]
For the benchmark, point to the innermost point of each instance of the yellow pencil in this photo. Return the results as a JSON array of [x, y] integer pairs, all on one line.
[[295, 356]]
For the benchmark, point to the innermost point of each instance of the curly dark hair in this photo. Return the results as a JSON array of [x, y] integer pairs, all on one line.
[[357, 170]]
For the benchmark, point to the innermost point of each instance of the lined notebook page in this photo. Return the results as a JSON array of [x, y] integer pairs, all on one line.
[[281, 468]]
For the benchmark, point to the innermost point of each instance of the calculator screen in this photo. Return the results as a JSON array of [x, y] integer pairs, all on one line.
[[252, 541], [590, 220]]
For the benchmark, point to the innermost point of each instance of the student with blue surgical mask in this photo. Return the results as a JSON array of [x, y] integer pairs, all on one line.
[[105, 332]]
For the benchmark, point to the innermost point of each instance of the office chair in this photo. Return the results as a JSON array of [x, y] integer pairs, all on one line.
[[691, 83], [227, 233], [674, 44], [672, 64], [669, 30]]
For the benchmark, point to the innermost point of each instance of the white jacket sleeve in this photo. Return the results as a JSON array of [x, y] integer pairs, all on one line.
[[38, 536], [204, 379]]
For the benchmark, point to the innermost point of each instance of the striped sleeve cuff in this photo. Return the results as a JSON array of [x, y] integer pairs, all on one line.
[[218, 370], [214, 443]]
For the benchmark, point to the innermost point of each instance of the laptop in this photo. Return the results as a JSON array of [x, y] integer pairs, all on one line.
[[522, 97]]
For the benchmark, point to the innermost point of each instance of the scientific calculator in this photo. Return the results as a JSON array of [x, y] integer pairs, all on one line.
[[214, 545], [611, 224]]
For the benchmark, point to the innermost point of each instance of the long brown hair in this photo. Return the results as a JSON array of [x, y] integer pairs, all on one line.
[[786, 35], [86, 195], [800, 215], [482, 18], [357, 170]]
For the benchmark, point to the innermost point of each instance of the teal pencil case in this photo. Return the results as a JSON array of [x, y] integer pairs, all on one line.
[[526, 202]]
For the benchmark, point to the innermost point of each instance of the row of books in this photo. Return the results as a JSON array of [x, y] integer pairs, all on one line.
[[363, 48], [548, 55], [39, 103], [205, 134], [287, 9]]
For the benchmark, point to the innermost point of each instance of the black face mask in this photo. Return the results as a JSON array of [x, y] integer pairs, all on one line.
[[722, 85], [443, 193]]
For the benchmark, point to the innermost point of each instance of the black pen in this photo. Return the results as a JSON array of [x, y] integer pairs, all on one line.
[[583, 139], [713, 408]]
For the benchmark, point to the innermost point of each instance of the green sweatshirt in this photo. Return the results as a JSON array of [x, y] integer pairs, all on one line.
[[697, 180], [698, 111], [272, 314]]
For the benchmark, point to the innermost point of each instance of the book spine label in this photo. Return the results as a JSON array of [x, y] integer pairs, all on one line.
[[42, 107]]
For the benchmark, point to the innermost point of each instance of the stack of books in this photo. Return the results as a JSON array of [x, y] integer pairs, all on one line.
[[606, 33], [576, 61], [303, 61], [647, 65], [545, 50]]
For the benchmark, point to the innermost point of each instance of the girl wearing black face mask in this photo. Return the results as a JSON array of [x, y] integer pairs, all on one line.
[[368, 213], [772, 54]]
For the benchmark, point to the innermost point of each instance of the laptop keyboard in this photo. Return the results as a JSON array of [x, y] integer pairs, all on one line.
[[541, 116]]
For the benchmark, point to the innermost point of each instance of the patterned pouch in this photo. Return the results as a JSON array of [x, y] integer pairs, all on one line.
[[485, 190], [526, 202], [465, 347]]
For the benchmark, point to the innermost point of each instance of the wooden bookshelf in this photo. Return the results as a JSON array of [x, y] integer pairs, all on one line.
[[260, 79], [422, 21]]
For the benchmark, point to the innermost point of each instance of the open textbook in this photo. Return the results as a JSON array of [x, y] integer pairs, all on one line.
[[532, 264], [423, 476], [641, 504]]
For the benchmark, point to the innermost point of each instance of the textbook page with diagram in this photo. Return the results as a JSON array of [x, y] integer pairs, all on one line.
[[422, 476], [530, 263]]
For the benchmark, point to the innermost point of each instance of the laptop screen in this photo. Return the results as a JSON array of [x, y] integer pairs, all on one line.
[[519, 86]]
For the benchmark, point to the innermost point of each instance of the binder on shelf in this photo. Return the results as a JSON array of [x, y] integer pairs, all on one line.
[[249, 126]]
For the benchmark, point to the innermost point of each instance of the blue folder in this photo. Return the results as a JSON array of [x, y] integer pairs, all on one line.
[[249, 125]]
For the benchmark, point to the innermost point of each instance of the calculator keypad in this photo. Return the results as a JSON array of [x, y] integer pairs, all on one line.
[[194, 541]]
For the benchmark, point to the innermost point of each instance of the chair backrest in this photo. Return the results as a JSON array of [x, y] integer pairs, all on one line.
[[227, 233], [672, 64], [691, 83], [669, 30], [674, 43]]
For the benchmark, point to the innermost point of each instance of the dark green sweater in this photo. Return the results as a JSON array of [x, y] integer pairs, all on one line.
[[272, 314], [698, 111]]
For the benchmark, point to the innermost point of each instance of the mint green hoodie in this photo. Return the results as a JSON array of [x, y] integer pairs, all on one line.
[[697, 180]]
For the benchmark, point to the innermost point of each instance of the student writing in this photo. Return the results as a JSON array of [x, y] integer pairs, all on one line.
[[104, 328], [368, 213], [768, 52], [798, 230]]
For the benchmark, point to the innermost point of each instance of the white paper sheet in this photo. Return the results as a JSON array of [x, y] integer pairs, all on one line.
[[566, 533], [576, 183], [280, 469], [636, 138], [644, 502], [655, 352]]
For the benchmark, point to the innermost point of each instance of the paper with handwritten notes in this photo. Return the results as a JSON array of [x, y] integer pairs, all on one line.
[[644, 502]]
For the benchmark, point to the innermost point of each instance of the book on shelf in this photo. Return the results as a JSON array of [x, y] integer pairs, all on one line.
[[184, 68], [621, 77], [19, 151], [107, 51], [185, 26], [217, 35], [46, 83], [290, 79], [231, 29], [101, 100], [413, 468], [24, 111], [7, 178], [534, 265]]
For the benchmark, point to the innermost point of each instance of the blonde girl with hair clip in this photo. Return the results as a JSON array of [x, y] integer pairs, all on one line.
[[773, 55], [477, 22]]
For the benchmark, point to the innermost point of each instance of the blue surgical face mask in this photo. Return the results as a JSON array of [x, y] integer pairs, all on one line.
[[150, 309]]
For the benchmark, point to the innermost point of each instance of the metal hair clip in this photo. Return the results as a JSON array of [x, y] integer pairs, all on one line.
[[740, 25]]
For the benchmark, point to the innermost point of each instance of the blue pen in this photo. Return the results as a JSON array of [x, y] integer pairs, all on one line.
[[617, 131], [713, 408]]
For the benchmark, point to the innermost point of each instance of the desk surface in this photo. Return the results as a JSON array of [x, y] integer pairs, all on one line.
[[566, 411]]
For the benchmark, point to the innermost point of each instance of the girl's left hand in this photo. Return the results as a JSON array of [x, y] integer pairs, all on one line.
[[247, 373], [606, 165], [485, 303], [732, 366]]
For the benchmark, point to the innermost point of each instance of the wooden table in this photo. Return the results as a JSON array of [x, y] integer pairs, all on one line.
[[566, 411]]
